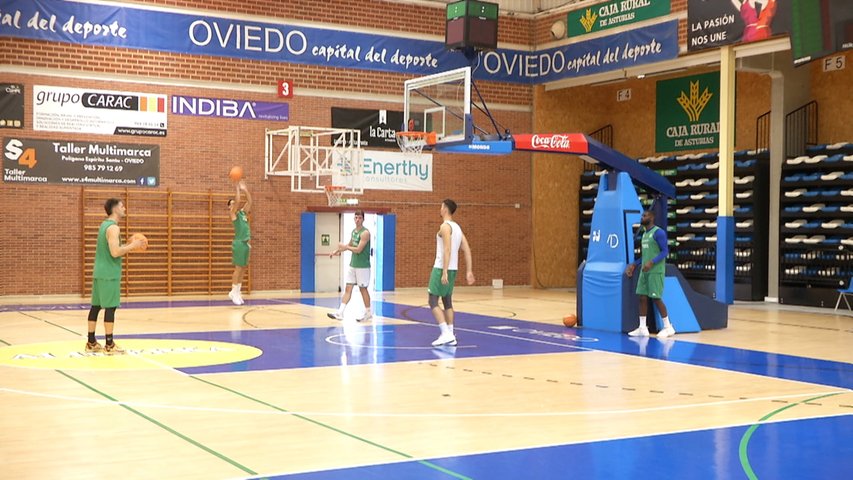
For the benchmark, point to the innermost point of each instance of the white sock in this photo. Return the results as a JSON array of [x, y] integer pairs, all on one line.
[[445, 330], [367, 312], [239, 288], [342, 308], [642, 321], [666, 323], [235, 288], [450, 326]]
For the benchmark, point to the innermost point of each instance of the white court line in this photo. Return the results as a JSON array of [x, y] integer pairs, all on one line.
[[389, 347], [547, 445], [418, 414], [670, 339]]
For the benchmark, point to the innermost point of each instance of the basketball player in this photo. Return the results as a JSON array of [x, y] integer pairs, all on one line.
[[240, 245], [448, 242], [358, 271], [650, 283], [106, 275]]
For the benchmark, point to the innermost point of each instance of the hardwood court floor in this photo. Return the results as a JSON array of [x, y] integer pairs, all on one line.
[[275, 389]]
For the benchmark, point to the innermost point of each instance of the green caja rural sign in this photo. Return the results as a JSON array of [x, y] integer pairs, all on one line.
[[615, 13]]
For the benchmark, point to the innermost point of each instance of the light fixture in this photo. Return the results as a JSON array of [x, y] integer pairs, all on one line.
[[558, 29]]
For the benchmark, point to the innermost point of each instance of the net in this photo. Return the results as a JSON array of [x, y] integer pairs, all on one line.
[[334, 193], [414, 142]]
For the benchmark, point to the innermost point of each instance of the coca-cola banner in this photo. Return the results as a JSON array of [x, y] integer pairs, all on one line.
[[574, 143]]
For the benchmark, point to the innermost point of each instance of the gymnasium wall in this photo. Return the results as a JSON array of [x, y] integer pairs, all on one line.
[[198, 151], [831, 90]]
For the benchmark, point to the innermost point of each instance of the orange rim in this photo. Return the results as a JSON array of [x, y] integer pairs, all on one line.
[[333, 187], [428, 137]]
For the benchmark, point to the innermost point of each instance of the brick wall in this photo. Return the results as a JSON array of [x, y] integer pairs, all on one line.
[[196, 156], [197, 153]]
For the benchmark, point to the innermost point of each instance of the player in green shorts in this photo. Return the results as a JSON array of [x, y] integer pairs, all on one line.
[[650, 283], [106, 275], [240, 245], [448, 242]]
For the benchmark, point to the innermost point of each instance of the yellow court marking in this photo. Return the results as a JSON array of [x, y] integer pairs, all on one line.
[[142, 354]]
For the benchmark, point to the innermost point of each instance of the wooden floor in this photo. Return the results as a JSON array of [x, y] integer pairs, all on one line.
[[276, 389]]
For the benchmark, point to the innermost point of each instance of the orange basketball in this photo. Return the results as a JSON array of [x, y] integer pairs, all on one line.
[[570, 320], [236, 173], [139, 236]]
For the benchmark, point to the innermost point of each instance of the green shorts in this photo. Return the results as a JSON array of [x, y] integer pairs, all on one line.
[[650, 284], [436, 287], [105, 293], [240, 253]]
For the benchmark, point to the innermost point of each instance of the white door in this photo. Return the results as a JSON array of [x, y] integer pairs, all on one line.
[[327, 271]]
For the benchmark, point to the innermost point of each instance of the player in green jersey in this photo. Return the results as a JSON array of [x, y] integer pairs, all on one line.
[[240, 247], [106, 275], [358, 272], [650, 284]]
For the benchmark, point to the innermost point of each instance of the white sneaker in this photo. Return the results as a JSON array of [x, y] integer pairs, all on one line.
[[445, 339], [666, 332], [335, 316], [639, 332], [235, 298], [368, 317]]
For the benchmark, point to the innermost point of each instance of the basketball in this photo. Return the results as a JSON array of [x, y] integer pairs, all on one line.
[[570, 320], [139, 236], [236, 173]]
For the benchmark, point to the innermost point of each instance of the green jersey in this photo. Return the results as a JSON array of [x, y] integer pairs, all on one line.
[[650, 250], [107, 267], [241, 227], [359, 260]]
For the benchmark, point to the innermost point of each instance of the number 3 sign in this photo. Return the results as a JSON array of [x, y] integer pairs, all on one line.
[[285, 89]]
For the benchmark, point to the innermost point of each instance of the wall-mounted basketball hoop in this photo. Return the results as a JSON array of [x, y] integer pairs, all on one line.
[[335, 194], [415, 142]]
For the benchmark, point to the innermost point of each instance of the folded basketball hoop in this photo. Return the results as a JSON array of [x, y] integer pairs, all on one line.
[[414, 142], [334, 194]]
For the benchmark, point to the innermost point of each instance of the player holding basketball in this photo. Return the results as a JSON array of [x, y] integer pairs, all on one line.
[[240, 245], [650, 283], [106, 275], [358, 271], [448, 242]]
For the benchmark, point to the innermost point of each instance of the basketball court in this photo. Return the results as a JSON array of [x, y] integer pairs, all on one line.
[[275, 389]]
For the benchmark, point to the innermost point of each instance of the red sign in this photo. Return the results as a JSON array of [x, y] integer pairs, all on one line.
[[552, 142], [285, 89]]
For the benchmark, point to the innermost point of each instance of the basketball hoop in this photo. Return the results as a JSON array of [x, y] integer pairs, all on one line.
[[334, 194], [414, 142]]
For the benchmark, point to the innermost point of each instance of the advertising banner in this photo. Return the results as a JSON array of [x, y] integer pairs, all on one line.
[[385, 170], [62, 109], [378, 127], [30, 161], [688, 113], [228, 108], [714, 23], [193, 34], [11, 105], [615, 13]]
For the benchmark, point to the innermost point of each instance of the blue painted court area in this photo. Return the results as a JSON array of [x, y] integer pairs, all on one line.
[[797, 449], [479, 335]]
